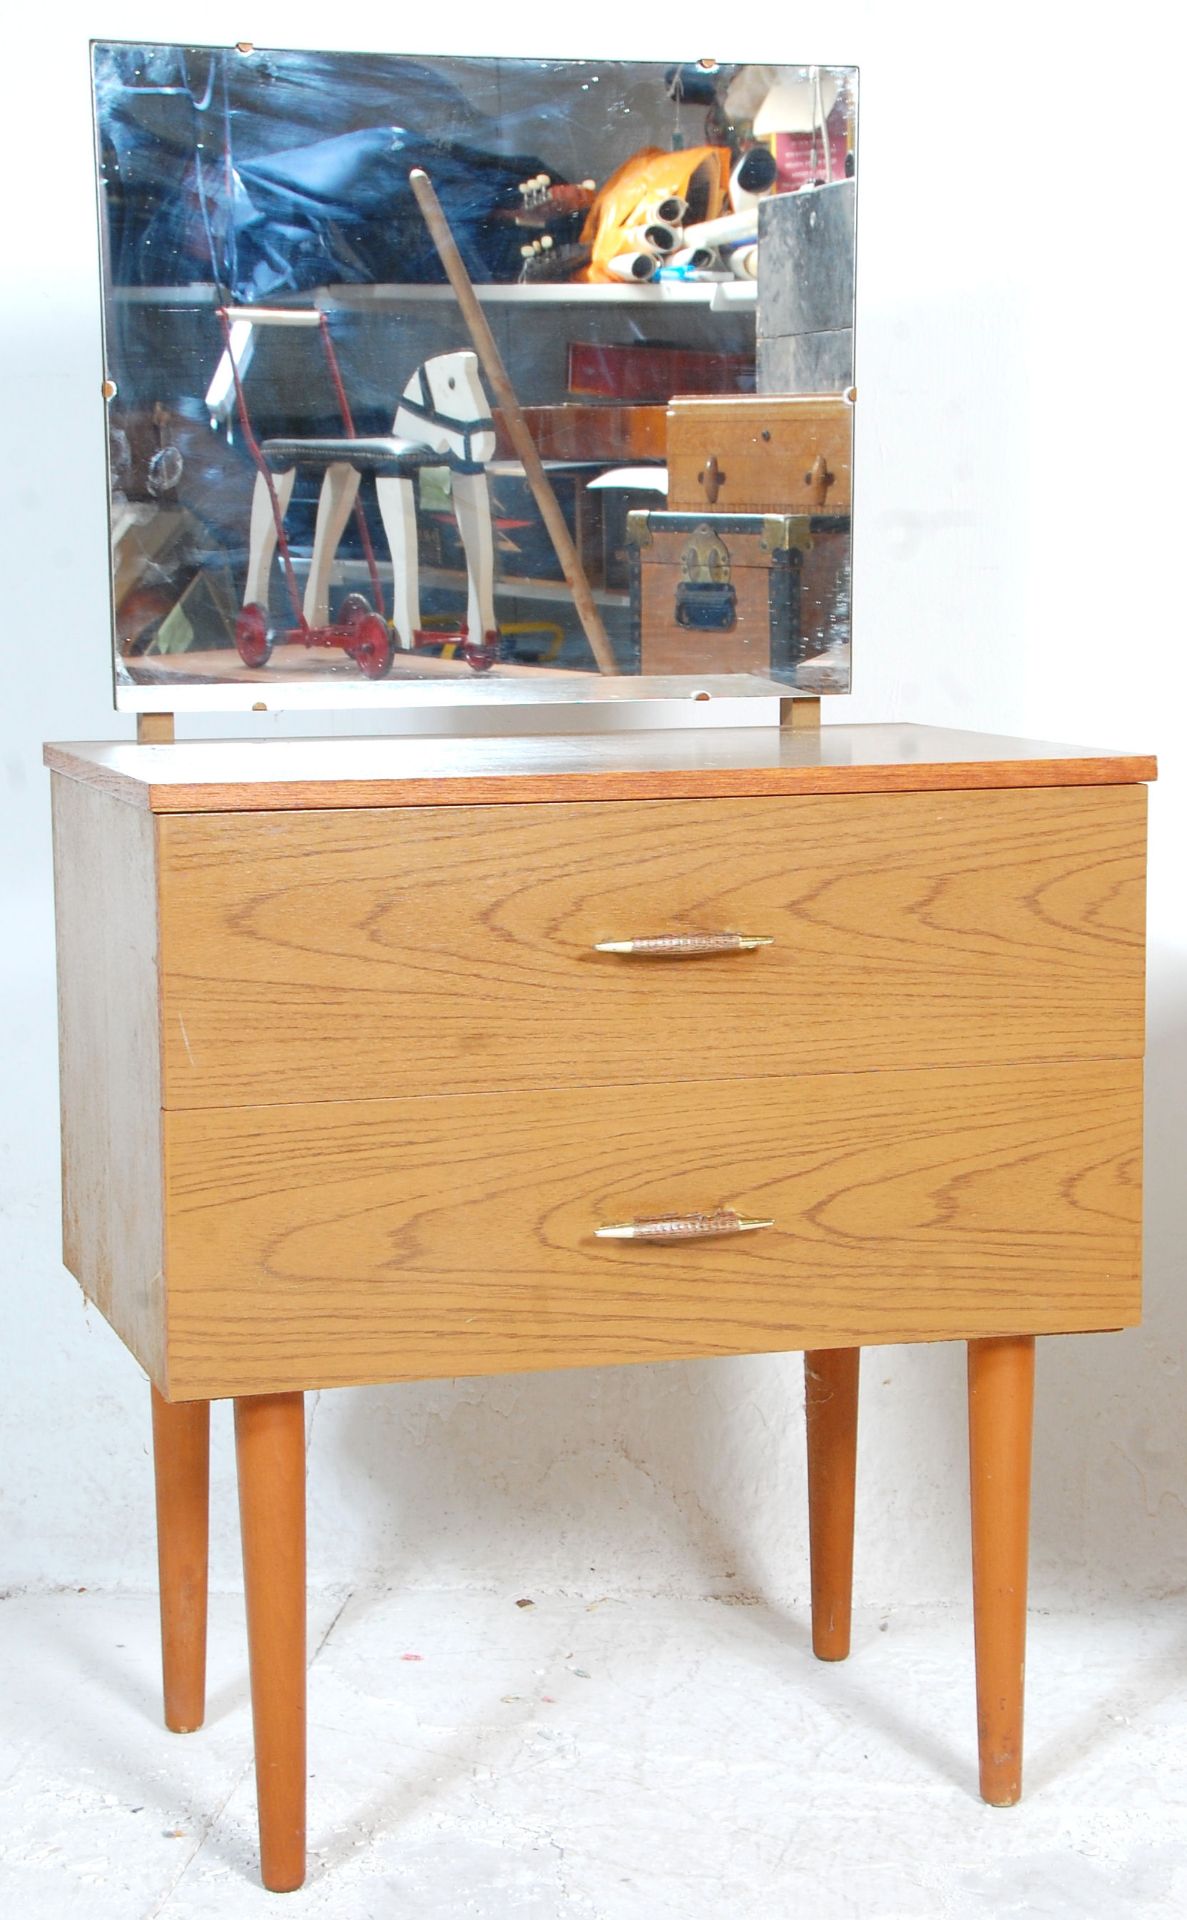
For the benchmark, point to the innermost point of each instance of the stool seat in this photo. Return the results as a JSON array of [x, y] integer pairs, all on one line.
[[382, 456]]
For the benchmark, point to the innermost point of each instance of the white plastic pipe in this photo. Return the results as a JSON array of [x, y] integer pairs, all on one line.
[[703, 259], [653, 236], [734, 227], [632, 266]]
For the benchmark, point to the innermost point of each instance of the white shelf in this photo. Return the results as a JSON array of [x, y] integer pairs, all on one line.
[[720, 295], [195, 293], [723, 296]]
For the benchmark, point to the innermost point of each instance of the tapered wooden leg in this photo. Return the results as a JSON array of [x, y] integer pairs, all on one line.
[[270, 1449], [181, 1462], [1001, 1409], [830, 1401]]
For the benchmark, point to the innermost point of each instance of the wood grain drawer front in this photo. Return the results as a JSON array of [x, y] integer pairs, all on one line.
[[369, 953], [325, 1244]]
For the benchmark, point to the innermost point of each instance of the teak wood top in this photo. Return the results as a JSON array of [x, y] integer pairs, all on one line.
[[279, 775]]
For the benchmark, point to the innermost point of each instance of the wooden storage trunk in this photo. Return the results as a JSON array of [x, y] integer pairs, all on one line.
[[722, 592]]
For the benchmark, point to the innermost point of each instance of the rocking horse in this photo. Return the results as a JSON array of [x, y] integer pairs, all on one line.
[[442, 420]]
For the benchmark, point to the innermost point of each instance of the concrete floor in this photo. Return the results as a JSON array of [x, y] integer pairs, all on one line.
[[617, 1759]]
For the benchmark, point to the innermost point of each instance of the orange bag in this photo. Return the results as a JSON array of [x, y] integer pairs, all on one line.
[[631, 204]]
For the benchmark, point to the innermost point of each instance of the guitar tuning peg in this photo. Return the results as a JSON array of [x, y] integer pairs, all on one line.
[[546, 242]]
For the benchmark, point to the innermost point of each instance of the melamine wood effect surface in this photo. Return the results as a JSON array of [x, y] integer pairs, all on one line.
[[241, 775], [327, 1244], [326, 956], [109, 1062]]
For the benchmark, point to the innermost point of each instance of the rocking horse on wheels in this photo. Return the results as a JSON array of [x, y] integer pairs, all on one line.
[[442, 420]]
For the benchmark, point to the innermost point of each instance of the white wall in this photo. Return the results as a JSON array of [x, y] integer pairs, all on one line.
[[1019, 552]]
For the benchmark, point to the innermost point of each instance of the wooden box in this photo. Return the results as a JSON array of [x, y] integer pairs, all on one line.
[[766, 453], [651, 372], [724, 593]]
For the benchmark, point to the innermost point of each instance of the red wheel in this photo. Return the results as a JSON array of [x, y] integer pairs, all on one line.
[[370, 642], [480, 655], [251, 636], [371, 645]]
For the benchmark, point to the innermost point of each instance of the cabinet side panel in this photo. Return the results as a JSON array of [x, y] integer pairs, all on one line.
[[110, 1061]]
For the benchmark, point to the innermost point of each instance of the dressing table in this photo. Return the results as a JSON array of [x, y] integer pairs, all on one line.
[[392, 1060]]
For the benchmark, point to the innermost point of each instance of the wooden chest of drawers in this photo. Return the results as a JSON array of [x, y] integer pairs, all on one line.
[[355, 1068], [367, 1084]]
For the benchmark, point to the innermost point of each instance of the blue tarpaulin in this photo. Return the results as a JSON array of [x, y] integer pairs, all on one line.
[[283, 172]]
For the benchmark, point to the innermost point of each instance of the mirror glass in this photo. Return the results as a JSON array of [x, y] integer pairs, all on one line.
[[610, 455]]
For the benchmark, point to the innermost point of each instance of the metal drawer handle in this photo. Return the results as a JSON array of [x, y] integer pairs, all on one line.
[[686, 946], [683, 1226]]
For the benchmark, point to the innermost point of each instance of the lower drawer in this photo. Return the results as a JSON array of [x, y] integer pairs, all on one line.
[[345, 1242]]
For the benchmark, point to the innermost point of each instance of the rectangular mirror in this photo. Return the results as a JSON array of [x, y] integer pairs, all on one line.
[[320, 493]]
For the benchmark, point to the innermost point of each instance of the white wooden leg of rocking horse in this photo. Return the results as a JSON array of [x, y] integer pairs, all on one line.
[[471, 504], [261, 549], [396, 496], [334, 507]]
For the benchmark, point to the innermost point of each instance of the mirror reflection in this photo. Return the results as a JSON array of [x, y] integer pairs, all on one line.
[[507, 377]]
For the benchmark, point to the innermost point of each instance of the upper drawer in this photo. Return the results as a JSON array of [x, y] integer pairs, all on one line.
[[318, 956]]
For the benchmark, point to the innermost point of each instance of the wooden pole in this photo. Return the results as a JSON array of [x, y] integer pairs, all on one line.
[[517, 427]]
